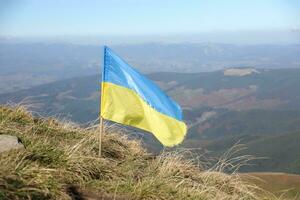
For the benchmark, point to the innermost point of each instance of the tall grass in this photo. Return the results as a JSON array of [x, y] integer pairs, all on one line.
[[61, 162]]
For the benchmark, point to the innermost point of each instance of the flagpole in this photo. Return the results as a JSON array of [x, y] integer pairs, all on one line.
[[100, 135], [101, 94]]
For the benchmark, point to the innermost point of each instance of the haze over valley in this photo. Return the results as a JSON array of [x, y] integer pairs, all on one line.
[[23, 65]]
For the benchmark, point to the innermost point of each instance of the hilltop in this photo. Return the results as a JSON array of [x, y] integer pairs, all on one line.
[[60, 162]]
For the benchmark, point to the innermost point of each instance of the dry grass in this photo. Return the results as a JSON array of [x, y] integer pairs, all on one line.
[[60, 162]]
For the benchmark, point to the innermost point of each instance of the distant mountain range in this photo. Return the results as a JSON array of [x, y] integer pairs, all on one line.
[[256, 107], [23, 65]]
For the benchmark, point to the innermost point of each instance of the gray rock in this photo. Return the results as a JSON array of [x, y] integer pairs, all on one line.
[[9, 142]]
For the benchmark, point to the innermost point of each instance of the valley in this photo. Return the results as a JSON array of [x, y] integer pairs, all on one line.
[[260, 109]]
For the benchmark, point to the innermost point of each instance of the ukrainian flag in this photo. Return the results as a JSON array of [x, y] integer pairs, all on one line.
[[130, 98]]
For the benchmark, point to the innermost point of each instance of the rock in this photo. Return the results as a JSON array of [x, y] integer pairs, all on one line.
[[9, 142]]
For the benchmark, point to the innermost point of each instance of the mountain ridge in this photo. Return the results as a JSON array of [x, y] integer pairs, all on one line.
[[57, 61]]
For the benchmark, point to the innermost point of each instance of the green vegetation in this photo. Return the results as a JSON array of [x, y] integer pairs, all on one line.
[[252, 122], [60, 162], [272, 135], [279, 153]]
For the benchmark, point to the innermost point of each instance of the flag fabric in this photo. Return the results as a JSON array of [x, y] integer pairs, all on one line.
[[132, 99]]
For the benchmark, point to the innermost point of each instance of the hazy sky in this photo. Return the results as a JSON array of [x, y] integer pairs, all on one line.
[[145, 17]]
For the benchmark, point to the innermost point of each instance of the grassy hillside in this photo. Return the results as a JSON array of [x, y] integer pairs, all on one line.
[[60, 162]]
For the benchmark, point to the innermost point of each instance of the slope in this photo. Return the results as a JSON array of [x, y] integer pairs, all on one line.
[[60, 162]]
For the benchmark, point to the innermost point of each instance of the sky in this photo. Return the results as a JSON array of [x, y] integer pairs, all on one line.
[[146, 17]]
